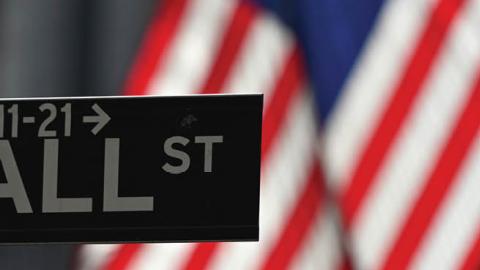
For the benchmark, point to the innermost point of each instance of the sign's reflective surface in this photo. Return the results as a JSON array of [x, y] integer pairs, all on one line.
[[130, 169]]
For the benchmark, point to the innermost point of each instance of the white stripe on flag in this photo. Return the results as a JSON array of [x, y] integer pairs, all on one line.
[[284, 176], [161, 256], [190, 57], [371, 84], [322, 249], [261, 58], [94, 256], [416, 149]]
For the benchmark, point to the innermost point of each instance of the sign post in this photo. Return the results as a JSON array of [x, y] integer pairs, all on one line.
[[130, 169]]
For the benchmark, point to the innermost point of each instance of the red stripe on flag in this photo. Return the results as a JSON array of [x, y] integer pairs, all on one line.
[[242, 20], [398, 108], [287, 86], [201, 256], [299, 223], [346, 263], [438, 184], [472, 258], [123, 257], [158, 39]]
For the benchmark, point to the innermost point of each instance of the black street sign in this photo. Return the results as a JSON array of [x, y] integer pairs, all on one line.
[[130, 169]]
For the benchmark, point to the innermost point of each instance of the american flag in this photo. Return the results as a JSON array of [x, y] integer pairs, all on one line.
[[370, 152]]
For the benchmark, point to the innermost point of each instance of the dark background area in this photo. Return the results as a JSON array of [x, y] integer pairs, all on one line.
[[93, 44]]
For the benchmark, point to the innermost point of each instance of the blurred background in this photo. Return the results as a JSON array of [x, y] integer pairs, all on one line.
[[64, 48], [370, 145]]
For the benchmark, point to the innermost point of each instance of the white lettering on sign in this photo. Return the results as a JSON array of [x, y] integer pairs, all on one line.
[[14, 187], [102, 118], [184, 157], [112, 202], [14, 114], [52, 202], [208, 141]]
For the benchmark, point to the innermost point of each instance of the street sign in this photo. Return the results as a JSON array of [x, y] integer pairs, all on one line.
[[130, 169]]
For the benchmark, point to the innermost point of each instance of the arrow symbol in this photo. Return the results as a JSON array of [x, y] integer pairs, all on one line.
[[102, 118]]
